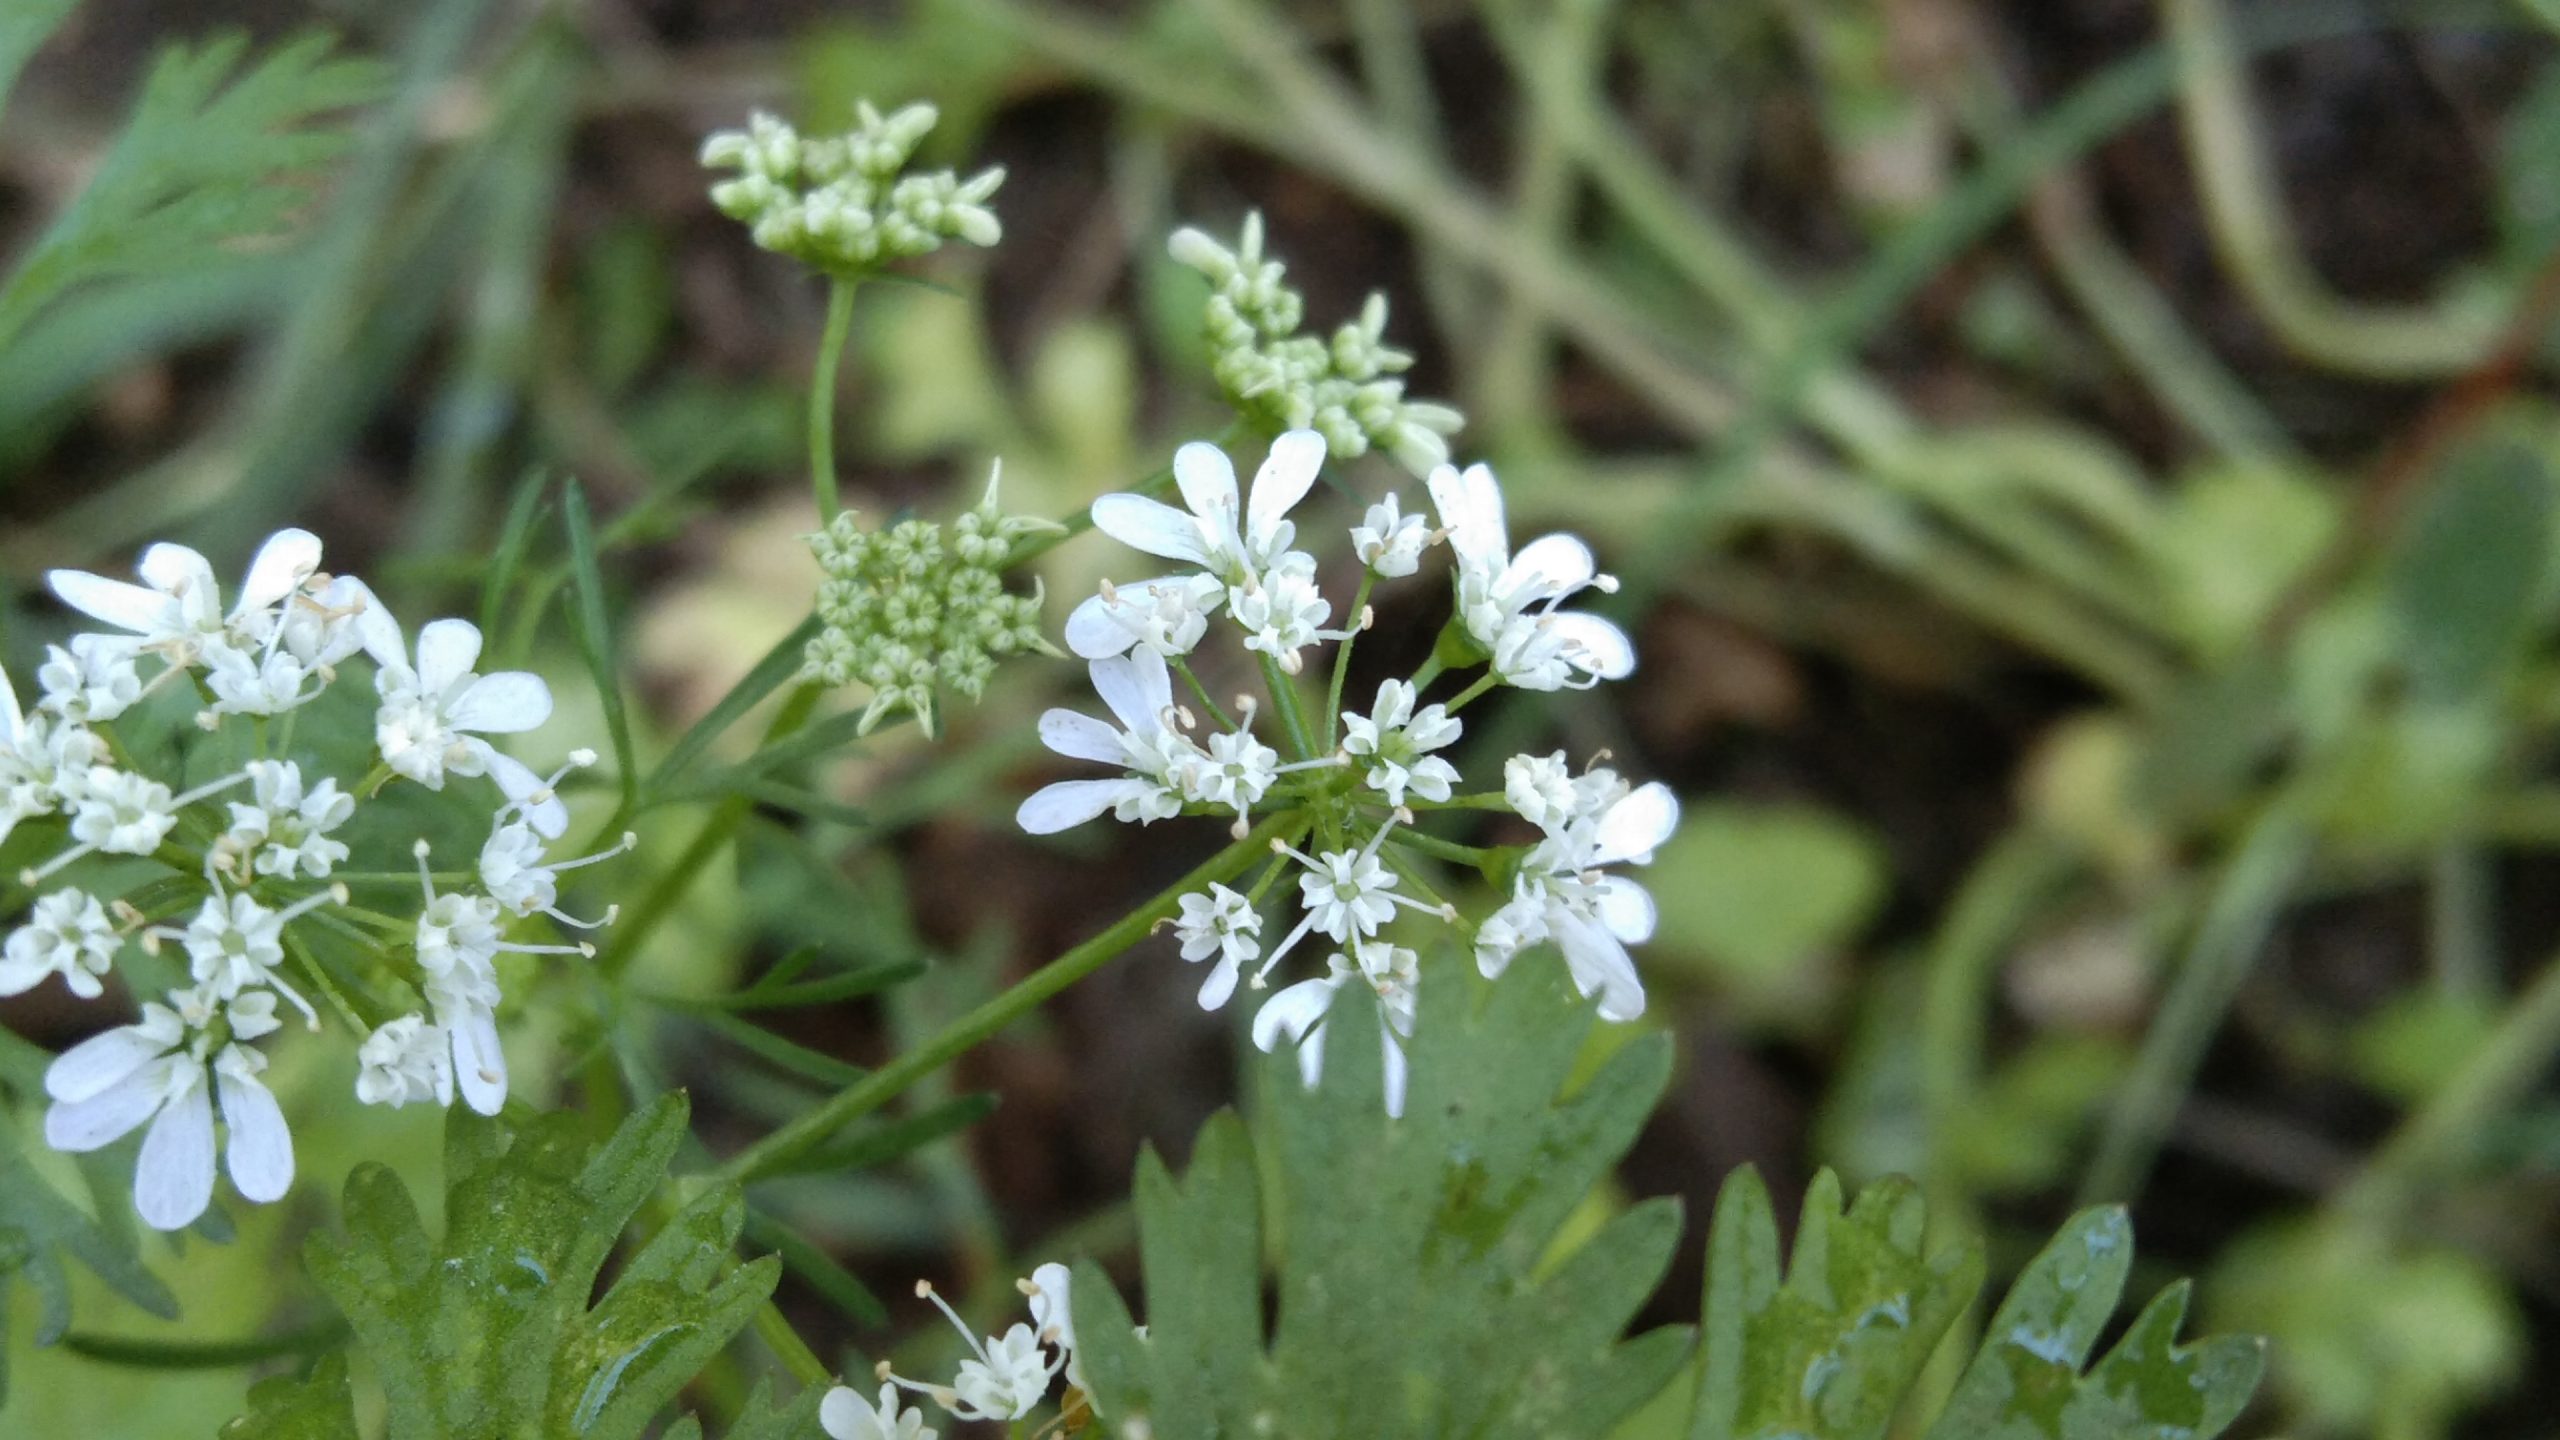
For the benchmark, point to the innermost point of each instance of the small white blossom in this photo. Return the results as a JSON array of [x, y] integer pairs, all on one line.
[[1281, 610], [1389, 541], [846, 1415], [1224, 924], [66, 934], [1008, 1376], [1393, 744], [405, 1060], [1219, 531], [1299, 1011], [1048, 1289], [1168, 615], [176, 612], [1508, 603], [1237, 771], [1563, 894], [433, 715], [1541, 789], [122, 813], [44, 761], [164, 1070], [284, 829], [95, 680], [516, 876], [1159, 761]]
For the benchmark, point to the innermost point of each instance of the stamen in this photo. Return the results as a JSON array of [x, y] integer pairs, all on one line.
[[425, 878], [925, 1291], [39, 874], [212, 788]]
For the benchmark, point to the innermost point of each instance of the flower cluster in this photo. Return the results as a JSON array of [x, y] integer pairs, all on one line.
[[843, 204], [1349, 848], [251, 889], [1005, 1378], [1345, 390], [917, 607]]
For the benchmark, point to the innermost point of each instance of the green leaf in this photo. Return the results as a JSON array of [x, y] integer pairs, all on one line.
[[490, 1331], [506, 558], [201, 166], [38, 1230], [319, 1406], [24, 25], [779, 667], [2473, 563], [1417, 1294], [1825, 1346], [590, 620], [2026, 1382]]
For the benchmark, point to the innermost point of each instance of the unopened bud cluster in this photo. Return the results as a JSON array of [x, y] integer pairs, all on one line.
[[1345, 390], [841, 203], [921, 607]]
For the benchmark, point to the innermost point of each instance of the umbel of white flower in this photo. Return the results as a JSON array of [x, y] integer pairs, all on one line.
[[244, 858], [844, 204], [921, 607], [1346, 390]]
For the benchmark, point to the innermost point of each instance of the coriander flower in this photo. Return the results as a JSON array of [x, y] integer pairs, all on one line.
[[123, 813], [1219, 531], [1221, 923], [846, 1415], [1048, 1290], [166, 1070], [66, 934], [91, 682], [44, 761], [1562, 893], [176, 612], [1167, 615], [1282, 611], [1159, 761], [1299, 1011], [1007, 1377], [1508, 603], [1393, 743], [433, 714], [523, 883], [1389, 541], [1348, 895], [1236, 772], [405, 1060], [284, 829]]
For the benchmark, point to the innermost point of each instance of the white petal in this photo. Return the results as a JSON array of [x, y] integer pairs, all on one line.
[[506, 703], [1626, 909], [1470, 505], [1152, 526], [1549, 565], [548, 816], [287, 559], [1207, 479], [100, 1061], [1395, 1069], [845, 1415], [1286, 476], [119, 603], [261, 1151], [1093, 635], [77, 1127], [383, 639], [447, 649], [1600, 966], [11, 717], [1069, 803], [1603, 648], [1294, 1011], [1638, 823], [1137, 687], [1081, 737], [173, 1177], [185, 574], [1220, 985], [479, 1065]]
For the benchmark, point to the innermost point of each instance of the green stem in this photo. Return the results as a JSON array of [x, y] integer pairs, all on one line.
[[1182, 667], [1484, 682], [1293, 717], [1342, 658], [882, 1085], [822, 398], [657, 901]]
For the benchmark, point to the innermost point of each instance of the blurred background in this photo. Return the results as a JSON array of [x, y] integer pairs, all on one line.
[[2083, 473]]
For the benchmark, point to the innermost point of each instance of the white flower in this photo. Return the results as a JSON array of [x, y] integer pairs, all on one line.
[[1220, 532], [164, 1070], [1048, 1290], [93, 681], [1347, 894], [1562, 893], [267, 681], [67, 934], [44, 761], [176, 612], [1008, 1377], [284, 830], [1281, 610], [1389, 541], [1395, 741], [1236, 773], [405, 1060], [465, 1000], [1168, 615], [233, 944], [1139, 690], [1541, 788], [1221, 923], [122, 813], [1508, 603], [845, 1415], [1299, 1011], [514, 873], [433, 714]]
